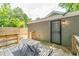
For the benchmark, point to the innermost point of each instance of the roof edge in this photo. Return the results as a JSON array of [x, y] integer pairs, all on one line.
[[69, 14]]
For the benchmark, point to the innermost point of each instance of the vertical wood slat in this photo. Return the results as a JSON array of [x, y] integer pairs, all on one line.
[[74, 45]]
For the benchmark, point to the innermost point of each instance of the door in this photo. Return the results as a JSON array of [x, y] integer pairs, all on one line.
[[56, 32]]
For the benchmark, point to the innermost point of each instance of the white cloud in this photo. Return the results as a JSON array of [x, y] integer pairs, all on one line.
[[35, 10], [42, 11]]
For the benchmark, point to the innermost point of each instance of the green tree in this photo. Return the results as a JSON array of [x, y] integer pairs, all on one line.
[[12, 17], [15, 22], [5, 9], [70, 6], [4, 14], [18, 13]]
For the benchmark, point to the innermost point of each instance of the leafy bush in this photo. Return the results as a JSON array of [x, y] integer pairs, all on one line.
[[12, 17], [12, 23], [15, 22]]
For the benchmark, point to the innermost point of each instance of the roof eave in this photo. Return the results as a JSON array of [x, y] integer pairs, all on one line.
[[70, 14]]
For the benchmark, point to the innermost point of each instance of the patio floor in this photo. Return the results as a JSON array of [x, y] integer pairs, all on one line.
[[46, 49]]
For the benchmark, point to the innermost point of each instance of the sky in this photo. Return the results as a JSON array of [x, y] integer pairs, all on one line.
[[37, 10]]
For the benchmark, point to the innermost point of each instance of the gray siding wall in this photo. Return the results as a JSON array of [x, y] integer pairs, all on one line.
[[68, 30], [42, 29]]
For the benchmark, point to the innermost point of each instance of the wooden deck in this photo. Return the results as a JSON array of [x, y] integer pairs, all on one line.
[[22, 49]]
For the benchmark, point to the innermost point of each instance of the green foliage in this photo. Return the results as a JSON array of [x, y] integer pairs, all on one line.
[[18, 13], [5, 9], [12, 17], [15, 22], [70, 6]]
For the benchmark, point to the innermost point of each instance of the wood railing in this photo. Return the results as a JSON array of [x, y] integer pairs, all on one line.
[[75, 45]]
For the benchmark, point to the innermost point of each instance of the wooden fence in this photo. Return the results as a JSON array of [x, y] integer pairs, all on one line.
[[9, 35], [12, 30]]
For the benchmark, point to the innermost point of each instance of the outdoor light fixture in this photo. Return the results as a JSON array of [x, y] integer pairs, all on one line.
[[65, 22]]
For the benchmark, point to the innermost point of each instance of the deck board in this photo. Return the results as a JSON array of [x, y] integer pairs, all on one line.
[[14, 50]]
